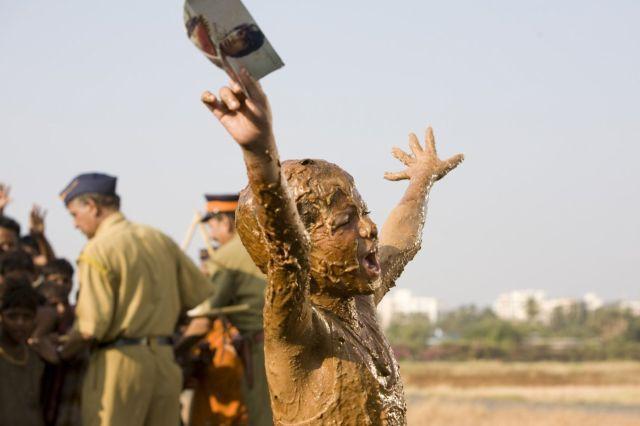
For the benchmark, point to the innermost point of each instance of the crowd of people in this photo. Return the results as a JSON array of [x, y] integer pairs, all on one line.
[[35, 289], [221, 355], [278, 325]]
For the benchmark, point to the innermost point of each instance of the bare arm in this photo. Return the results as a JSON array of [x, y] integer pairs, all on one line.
[[248, 121], [36, 228], [401, 234]]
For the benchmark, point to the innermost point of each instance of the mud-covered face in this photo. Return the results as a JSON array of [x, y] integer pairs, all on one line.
[[344, 244], [343, 255]]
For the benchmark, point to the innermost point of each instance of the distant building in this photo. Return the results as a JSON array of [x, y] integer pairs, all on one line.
[[515, 305], [632, 305], [592, 301], [548, 306], [402, 301]]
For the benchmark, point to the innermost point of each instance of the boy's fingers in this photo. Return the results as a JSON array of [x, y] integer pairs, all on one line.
[[451, 164], [414, 144], [431, 141], [229, 98], [405, 158], [253, 86], [217, 108], [237, 90], [396, 176]]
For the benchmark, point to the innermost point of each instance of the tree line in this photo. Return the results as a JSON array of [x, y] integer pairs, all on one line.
[[571, 333]]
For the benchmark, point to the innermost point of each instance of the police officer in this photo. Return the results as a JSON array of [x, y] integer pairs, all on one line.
[[238, 281], [134, 282]]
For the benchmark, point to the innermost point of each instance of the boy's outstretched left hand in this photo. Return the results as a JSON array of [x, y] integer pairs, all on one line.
[[424, 164]]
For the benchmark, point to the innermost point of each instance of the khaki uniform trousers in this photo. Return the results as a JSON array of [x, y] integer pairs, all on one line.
[[135, 385]]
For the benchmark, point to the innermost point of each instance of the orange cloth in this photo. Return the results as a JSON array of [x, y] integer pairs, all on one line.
[[217, 398]]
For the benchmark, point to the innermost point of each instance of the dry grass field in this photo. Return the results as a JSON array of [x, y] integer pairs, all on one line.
[[522, 394]]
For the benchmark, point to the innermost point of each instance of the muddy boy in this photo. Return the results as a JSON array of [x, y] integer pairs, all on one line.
[[308, 229]]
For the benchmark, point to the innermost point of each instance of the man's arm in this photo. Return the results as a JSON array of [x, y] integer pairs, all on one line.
[[401, 234], [95, 306], [248, 121]]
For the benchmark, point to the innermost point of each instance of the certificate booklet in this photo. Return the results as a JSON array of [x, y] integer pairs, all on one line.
[[225, 32]]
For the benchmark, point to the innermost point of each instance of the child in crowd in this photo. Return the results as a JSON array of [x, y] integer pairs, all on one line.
[[9, 234], [56, 297], [60, 272], [62, 381], [17, 262], [20, 368]]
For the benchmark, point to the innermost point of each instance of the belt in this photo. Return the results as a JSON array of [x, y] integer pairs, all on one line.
[[134, 341]]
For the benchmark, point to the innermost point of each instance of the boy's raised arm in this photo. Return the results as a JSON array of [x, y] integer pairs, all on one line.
[[401, 234], [248, 121]]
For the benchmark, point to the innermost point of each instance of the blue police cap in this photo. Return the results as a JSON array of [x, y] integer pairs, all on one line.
[[89, 183]]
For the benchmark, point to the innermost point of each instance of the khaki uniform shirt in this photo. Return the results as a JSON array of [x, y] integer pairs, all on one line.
[[134, 282], [237, 281]]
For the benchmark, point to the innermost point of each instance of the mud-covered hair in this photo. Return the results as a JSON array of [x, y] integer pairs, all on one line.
[[312, 184]]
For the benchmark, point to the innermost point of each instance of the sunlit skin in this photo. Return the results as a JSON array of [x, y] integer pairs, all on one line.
[[8, 239], [221, 228], [87, 216]]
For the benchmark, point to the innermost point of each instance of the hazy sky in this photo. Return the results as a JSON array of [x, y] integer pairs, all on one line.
[[543, 97]]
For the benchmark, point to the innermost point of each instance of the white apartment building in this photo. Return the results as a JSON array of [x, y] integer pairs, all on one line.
[[402, 301], [513, 305], [592, 301], [548, 306], [631, 305]]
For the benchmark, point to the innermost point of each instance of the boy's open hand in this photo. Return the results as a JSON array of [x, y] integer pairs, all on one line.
[[248, 120], [424, 163]]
